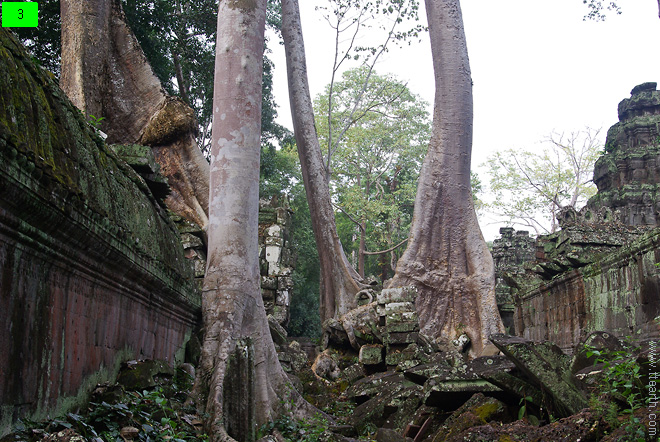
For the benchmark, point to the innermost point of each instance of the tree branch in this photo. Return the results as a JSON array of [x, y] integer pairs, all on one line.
[[381, 252]]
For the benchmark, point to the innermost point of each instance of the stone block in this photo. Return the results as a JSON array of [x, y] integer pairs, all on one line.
[[277, 332], [274, 231], [548, 368], [189, 241], [139, 375], [273, 256], [352, 373], [399, 294], [396, 356], [403, 327], [393, 318], [268, 295], [284, 283], [282, 298], [400, 338], [274, 241], [269, 283], [478, 410], [445, 392], [280, 313], [199, 267], [371, 354], [398, 307]]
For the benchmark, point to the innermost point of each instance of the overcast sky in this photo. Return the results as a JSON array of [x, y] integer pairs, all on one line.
[[537, 67]]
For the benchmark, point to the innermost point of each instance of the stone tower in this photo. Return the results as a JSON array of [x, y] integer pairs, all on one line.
[[628, 174]]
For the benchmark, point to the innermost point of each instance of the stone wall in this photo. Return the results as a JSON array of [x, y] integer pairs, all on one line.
[[601, 271], [619, 293], [91, 268]]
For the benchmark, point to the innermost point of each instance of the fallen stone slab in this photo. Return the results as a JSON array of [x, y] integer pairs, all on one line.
[[602, 342], [584, 426], [371, 386], [388, 435], [371, 354], [478, 410], [501, 372], [450, 391], [393, 407], [546, 367], [437, 366]]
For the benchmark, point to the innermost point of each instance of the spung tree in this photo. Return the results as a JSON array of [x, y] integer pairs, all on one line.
[[178, 40], [447, 259], [239, 371], [106, 74]]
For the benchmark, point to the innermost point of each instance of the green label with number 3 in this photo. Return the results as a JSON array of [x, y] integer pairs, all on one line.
[[20, 14]]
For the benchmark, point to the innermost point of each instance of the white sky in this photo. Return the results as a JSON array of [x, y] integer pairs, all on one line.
[[537, 67]]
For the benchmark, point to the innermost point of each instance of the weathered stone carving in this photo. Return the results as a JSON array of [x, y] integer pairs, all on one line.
[[510, 252], [628, 174], [276, 257]]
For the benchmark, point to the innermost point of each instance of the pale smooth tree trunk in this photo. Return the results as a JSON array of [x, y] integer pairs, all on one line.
[[447, 259], [235, 323], [339, 281], [105, 74]]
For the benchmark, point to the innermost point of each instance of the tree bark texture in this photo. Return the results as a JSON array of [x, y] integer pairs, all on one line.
[[105, 74], [234, 317], [339, 281], [447, 259]]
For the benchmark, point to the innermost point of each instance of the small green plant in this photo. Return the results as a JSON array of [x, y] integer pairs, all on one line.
[[523, 406], [523, 411], [158, 414], [293, 430], [622, 381], [622, 377], [95, 121]]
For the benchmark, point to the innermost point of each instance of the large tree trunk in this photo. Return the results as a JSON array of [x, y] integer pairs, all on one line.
[[105, 74], [339, 281], [239, 366], [447, 259]]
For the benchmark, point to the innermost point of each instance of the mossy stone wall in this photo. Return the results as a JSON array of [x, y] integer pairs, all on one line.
[[91, 267], [619, 293]]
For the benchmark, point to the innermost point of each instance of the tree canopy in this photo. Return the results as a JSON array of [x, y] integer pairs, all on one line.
[[377, 160], [529, 187]]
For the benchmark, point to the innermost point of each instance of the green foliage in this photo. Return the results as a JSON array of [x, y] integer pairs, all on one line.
[[622, 381], [380, 146], [158, 414], [306, 430], [43, 42], [622, 377], [397, 19], [174, 34], [95, 121], [305, 319]]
